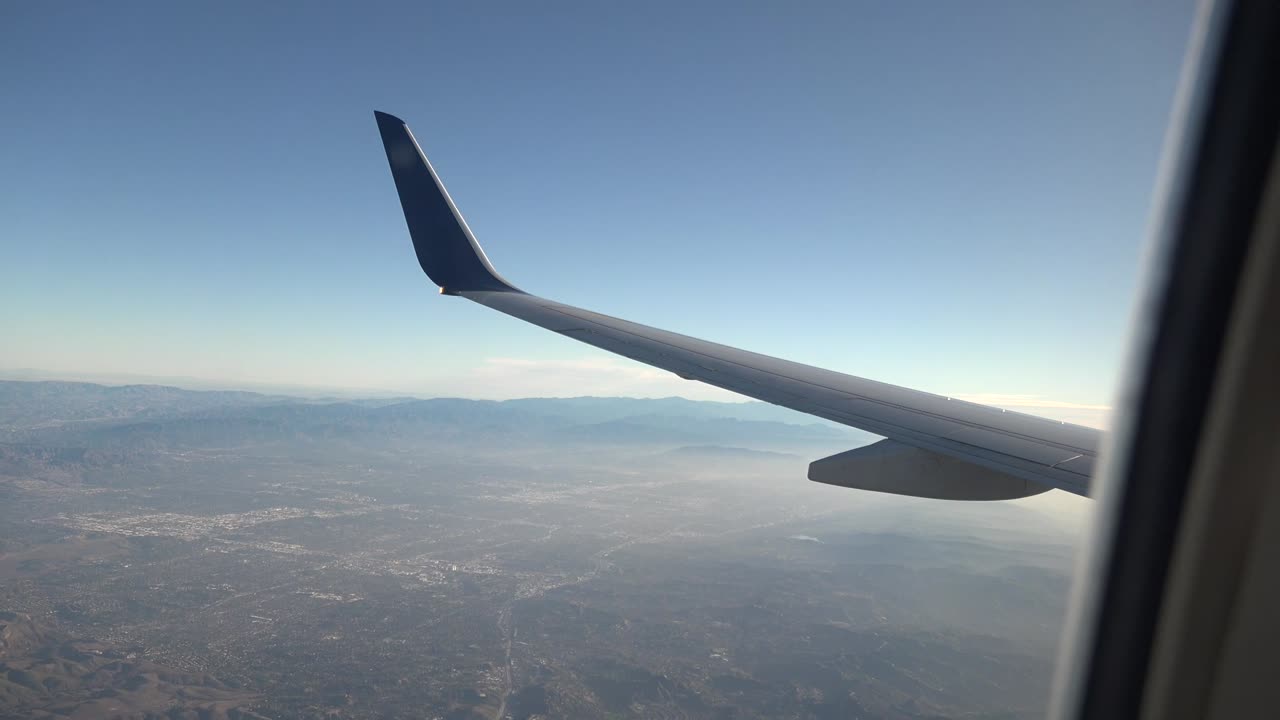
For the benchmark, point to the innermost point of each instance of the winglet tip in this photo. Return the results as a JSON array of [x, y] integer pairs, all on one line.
[[447, 252]]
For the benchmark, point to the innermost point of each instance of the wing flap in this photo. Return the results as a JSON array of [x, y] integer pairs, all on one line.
[[893, 467]]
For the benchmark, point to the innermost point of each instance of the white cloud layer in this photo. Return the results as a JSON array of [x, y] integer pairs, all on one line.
[[1097, 416], [503, 377]]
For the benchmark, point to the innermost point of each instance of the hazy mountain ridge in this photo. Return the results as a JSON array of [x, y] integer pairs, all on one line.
[[93, 416], [45, 403]]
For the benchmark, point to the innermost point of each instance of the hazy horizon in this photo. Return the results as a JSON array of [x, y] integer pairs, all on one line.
[[1097, 416]]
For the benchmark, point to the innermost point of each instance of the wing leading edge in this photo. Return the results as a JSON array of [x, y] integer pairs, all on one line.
[[935, 446]]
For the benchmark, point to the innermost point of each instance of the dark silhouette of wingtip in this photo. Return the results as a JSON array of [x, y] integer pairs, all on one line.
[[446, 250]]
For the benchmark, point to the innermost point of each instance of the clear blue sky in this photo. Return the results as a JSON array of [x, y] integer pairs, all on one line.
[[946, 195]]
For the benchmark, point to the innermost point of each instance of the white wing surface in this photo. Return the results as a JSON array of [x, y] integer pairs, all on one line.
[[935, 446]]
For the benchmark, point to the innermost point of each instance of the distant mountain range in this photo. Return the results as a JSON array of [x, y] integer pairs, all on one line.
[[86, 415], [27, 405]]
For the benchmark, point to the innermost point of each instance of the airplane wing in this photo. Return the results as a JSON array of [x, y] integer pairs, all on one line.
[[934, 446]]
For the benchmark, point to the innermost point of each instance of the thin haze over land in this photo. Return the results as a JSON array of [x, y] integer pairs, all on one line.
[[233, 553]]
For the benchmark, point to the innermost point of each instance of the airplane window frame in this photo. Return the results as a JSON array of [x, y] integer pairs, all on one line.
[[1219, 165]]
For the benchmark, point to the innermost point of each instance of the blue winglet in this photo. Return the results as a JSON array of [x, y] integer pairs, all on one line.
[[447, 251]]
